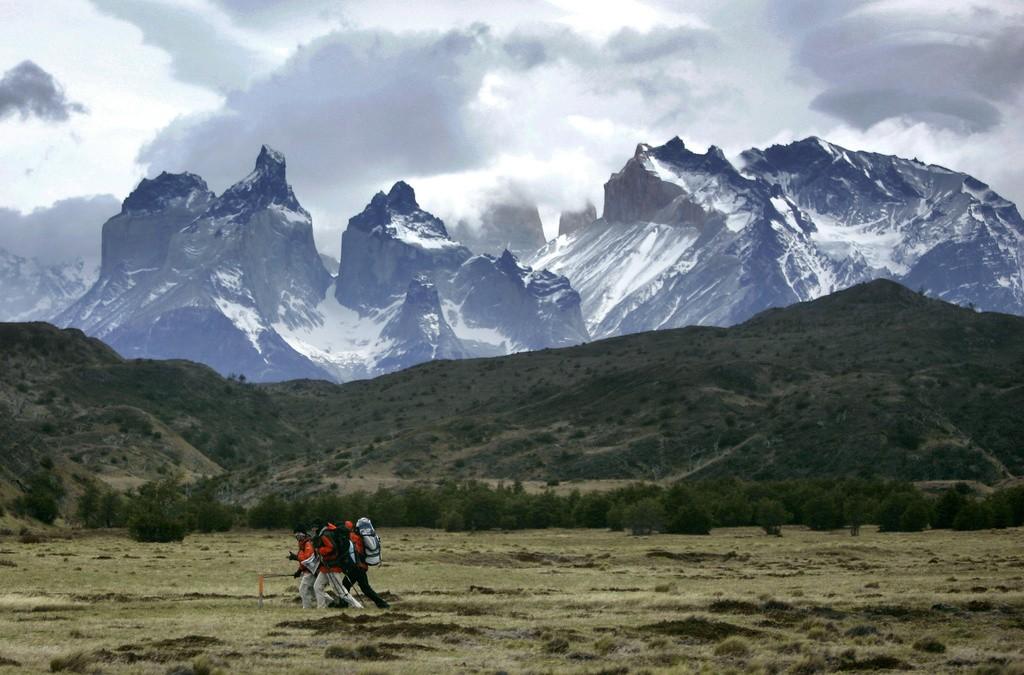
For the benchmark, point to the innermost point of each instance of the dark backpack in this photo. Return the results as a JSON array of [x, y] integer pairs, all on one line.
[[339, 543]]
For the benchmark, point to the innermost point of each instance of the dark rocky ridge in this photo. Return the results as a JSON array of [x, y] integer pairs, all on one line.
[[570, 221], [388, 245]]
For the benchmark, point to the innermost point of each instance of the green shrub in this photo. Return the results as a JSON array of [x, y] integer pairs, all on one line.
[[644, 516], [158, 514], [209, 515], [452, 521], [690, 518], [821, 512], [947, 508], [270, 513], [771, 515], [915, 517], [974, 515], [42, 497]]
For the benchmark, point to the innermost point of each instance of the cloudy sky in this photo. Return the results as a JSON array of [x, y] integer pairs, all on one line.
[[472, 101]]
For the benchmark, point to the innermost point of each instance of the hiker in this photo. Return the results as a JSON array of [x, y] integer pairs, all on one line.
[[332, 557], [309, 564], [356, 567]]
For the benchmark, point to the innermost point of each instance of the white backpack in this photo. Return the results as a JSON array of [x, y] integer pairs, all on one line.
[[371, 541]]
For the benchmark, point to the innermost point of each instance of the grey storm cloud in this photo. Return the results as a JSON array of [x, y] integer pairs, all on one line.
[[357, 109], [627, 46], [30, 91], [199, 53], [349, 110], [632, 46], [68, 229], [947, 69]]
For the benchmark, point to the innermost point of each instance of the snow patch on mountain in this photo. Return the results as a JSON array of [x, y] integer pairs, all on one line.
[[690, 238]]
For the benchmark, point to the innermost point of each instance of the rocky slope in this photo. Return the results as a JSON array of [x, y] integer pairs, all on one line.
[[189, 275], [689, 238], [407, 292], [234, 281], [875, 380]]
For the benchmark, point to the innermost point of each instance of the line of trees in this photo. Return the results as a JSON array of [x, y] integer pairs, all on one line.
[[167, 510], [683, 508], [159, 511]]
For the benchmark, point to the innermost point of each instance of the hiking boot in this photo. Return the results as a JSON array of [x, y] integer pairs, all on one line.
[[383, 604]]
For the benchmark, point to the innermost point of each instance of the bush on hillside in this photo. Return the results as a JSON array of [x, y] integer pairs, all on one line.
[[41, 500]]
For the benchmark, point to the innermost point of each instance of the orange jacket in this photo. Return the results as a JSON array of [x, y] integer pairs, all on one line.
[[357, 541], [305, 550]]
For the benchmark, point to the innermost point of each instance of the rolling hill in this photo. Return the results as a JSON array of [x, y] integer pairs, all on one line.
[[872, 380]]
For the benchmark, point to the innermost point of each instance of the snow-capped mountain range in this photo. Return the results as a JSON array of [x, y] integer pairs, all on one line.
[[235, 281], [406, 292], [689, 238]]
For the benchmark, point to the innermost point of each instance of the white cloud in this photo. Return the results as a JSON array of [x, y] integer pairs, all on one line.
[[127, 87], [542, 98]]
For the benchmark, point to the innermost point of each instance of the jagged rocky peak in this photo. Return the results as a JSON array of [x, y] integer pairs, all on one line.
[[389, 243], [570, 221], [656, 177], [508, 263], [166, 191], [419, 332], [422, 294], [266, 186], [398, 206], [402, 198], [533, 308], [270, 162]]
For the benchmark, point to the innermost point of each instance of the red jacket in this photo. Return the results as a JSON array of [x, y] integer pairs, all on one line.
[[357, 541], [327, 553], [305, 550]]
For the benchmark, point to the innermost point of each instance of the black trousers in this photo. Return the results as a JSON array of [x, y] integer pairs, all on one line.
[[357, 575]]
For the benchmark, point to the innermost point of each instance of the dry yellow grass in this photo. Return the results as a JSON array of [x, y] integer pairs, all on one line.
[[541, 601]]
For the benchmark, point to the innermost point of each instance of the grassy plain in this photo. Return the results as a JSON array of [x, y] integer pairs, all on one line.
[[538, 601]]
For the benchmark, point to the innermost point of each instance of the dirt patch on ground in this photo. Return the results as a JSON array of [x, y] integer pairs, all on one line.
[[880, 662], [161, 651], [900, 612], [734, 607], [485, 590], [699, 629], [420, 630], [360, 653], [407, 646], [55, 607], [532, 558], [342, 621], [698, 556]]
